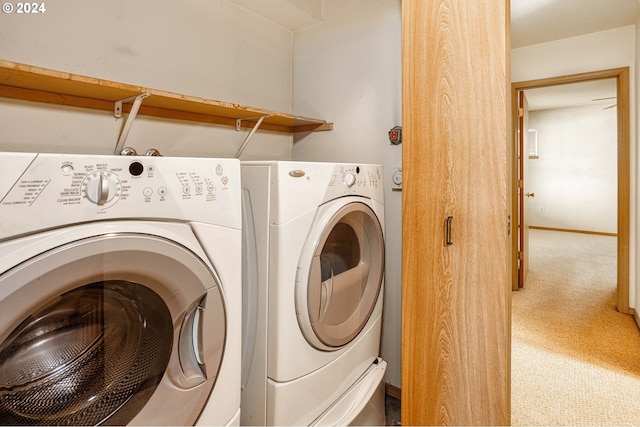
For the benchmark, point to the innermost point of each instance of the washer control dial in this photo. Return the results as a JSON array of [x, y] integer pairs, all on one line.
[[101, 188]]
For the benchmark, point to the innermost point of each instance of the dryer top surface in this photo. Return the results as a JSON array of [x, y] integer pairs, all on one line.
[[299, 187]]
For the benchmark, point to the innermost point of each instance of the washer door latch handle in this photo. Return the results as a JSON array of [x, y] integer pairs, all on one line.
[[190, 347], [447, 237]]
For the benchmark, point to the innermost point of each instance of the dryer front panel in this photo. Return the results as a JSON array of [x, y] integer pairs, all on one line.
[[340, 274], [110, 329]]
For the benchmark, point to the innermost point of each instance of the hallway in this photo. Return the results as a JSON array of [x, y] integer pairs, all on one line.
[[575, 359]]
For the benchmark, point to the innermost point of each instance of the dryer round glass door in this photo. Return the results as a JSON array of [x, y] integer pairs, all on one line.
[[340, 274], [117, 328]]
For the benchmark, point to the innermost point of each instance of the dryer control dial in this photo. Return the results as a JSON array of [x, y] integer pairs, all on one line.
[[349, 179], [101, 188]]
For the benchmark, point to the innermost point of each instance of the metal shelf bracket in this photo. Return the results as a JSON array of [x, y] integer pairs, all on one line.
[[117, 112], [244, 119], [253, 130]]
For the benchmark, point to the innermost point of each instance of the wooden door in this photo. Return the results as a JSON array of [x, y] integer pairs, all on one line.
[[523, 194], [456, 297]]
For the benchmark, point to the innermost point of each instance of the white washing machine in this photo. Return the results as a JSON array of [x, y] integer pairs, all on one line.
[[313, 253], [120, 290]]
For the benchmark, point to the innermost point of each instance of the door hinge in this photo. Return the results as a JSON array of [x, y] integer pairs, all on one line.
[[520, 255], [520, 112]]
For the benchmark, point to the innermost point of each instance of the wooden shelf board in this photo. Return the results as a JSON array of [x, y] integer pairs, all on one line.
[[26, 82]]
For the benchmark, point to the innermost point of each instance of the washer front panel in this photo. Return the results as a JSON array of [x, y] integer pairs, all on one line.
[[91, 315]]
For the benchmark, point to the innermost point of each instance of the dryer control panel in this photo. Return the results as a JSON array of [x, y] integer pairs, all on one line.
[[297, 187], [39, 191], [356, 180]]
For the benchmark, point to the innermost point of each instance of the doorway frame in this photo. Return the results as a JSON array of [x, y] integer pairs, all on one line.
[[624, 168]]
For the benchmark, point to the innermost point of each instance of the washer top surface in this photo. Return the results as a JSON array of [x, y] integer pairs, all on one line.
[[40, 191]]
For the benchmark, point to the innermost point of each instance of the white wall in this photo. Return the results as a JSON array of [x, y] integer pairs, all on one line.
[[347, 70], [591, 52], [597, 51], [211, 49], [575, 177]]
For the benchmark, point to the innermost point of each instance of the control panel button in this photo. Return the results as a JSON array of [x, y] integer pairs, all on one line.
[[136, 168], [67, 169]]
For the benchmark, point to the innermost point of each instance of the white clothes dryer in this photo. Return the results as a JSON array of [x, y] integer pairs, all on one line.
[[313, 253], [120, 290]]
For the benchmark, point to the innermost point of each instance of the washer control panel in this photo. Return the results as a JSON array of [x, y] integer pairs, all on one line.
[[49, 190]]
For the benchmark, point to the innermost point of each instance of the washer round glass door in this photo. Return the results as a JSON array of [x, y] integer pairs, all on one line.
[[340, 274], [103, 329], [84, 355]]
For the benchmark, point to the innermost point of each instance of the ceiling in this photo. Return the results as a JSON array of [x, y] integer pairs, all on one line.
[[532, 22], [293, 15], [600, 93], [539, 21]]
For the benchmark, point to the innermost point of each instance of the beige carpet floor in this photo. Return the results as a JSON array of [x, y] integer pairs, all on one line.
[[575, 359]]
